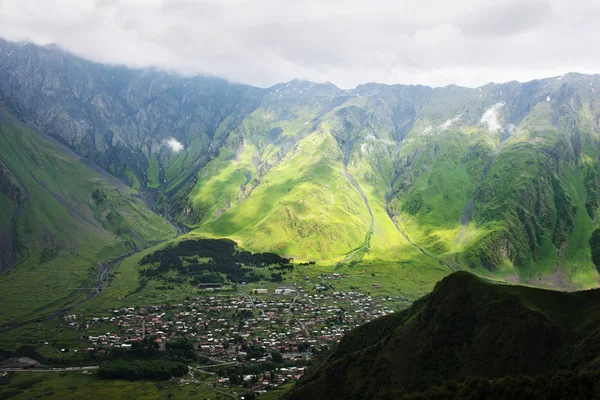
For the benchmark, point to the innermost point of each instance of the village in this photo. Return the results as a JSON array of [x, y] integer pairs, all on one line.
[[241, 327]]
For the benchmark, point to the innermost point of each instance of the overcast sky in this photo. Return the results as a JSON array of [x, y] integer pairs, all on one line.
[[347, 42]]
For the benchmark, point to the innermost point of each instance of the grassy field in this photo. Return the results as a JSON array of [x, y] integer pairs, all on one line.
[[68, 220], [75, 385]]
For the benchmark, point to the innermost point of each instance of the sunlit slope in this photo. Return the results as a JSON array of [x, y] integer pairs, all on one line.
[[59, 219], [284, 184], [502, 180], [303, 207]]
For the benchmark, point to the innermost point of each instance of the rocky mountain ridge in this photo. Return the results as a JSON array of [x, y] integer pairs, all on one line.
[[502, 179]]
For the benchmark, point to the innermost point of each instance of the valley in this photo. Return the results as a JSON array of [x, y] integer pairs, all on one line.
[[223, 240]]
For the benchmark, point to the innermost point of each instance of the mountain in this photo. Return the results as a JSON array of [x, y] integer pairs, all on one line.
[[60, 220], [502, 180], [468, 327]]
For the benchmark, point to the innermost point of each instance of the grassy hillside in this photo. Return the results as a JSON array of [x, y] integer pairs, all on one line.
[[466, 327], [61, 219], [499, 180]]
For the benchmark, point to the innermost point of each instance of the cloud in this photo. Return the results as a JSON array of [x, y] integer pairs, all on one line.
[[449, 122], [508, 18], [173, 144], [491, 118], [348, 42]]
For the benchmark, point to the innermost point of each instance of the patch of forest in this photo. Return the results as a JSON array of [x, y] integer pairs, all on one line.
[[212, 261]]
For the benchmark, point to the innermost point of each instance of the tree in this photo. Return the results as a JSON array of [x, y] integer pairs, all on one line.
[[277, 357]]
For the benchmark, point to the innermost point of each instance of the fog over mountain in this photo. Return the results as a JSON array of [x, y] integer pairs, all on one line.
[[307, 199], [264, 42]]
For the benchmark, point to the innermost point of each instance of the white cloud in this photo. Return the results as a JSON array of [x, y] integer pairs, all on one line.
[[173, 144], [491, 118], [448, 123], [262, 42]]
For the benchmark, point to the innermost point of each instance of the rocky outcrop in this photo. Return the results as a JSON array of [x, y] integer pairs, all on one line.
[[111, 114]]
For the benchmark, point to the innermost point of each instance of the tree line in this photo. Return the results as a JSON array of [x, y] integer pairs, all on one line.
[[224, 258], [159, 370]]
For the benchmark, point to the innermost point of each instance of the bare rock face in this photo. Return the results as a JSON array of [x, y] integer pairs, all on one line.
[[97, 110]]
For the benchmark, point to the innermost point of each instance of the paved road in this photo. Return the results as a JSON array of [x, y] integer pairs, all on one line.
[[218, 365], [252, 301], [293, 302], [213, 387], [70, 369], [303, 327]]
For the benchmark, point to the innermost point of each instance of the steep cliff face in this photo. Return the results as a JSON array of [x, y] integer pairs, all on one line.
[[122, 118], [502, 179]]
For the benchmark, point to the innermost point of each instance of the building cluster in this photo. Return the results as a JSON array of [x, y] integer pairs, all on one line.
[[246, 327], [222, 325]]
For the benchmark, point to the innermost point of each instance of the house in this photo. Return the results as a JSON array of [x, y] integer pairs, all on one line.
[[208, 286], [259, 291], [284, 291]]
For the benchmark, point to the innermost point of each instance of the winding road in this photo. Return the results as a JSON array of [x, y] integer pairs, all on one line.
[[69, 369], [252, 301], [293, 302], [303, 326]]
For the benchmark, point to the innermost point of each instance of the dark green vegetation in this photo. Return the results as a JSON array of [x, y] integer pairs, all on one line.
[[75, 385], [220, 257], [520, 337], [595, 247], [562, 385], [142, 370]]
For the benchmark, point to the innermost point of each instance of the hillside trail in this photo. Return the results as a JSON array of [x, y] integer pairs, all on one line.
[[415, 245], [357, 255]]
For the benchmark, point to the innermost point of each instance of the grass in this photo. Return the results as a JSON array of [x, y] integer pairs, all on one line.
[[297, 202], [278, 184], [69, 207], [77, 386], [465, 327], [153, 176], [304, 202]]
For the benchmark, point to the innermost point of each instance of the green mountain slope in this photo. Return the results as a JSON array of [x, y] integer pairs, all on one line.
[[452, 175], [466, 327], [502, 180], [59, 220]]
